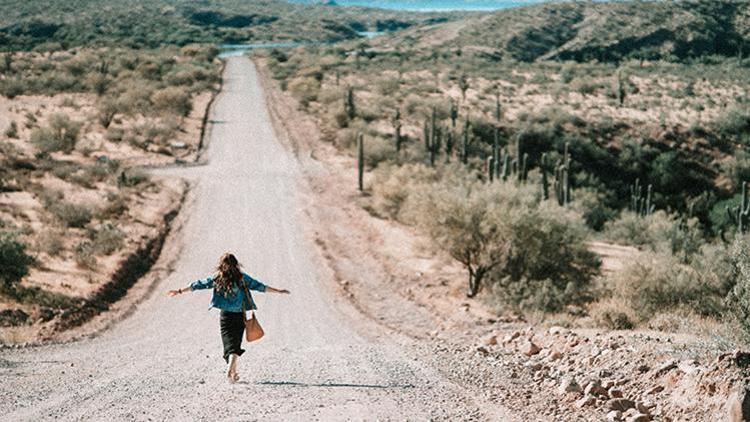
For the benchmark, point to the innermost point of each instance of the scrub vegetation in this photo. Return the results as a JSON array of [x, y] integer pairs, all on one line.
[[515, 139]]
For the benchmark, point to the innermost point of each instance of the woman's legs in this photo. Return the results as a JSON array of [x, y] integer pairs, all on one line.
[[232, 329]]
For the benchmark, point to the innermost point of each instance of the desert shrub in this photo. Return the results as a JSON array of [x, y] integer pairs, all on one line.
[[71, 215], [98, 83], [304, 89], [378, 150], [84, 255], [12, 87], [393, 185], [50, 242], [735, 124], [737, 169], [12, 130], [114, 134], [738, 298], [14, 262], [613, 314], [107, 109], [656, 282], [548, 264], [657, 232], [591, 205], [533, 252], [60, 135], [172, 99], [106, 239]]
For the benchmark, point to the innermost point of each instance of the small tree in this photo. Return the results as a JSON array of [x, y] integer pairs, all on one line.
[[463, 85], [61, 134], [172, 99], [461, 217], [14, 262]]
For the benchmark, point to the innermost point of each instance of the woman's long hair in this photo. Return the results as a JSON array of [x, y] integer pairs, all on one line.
[[228, 273]]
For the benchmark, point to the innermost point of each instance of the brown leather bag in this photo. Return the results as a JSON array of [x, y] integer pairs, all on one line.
[[253, 330]]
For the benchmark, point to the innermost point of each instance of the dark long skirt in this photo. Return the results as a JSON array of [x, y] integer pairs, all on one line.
[[232, 329]]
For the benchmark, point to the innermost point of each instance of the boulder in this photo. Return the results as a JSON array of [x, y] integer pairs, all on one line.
[[569, 385]]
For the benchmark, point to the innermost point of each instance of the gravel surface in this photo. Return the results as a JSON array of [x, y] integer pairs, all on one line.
[[320, 360]]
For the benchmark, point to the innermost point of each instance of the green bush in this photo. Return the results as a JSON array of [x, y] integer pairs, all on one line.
[[14, 262], [60, 135], [172, 99], [71, 215], [533, 252], [84, 255], [738, 298], [393, 186], [106, 239]]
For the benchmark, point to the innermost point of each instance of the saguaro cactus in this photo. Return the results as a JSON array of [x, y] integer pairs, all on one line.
[[465, 147], [361, 162], [454, 114], [496, 152], [545, 180], [490, 169], [740, 215], [639, 204], [498, 109], [397, 129], [562, 179], [349, 107]]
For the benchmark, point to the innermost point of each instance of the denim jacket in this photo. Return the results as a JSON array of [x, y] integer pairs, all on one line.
[[234, 299]]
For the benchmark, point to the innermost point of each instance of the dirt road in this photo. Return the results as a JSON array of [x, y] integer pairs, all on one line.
[[320, 359]]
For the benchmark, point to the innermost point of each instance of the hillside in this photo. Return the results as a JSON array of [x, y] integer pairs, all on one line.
[[35, 24], [610, 31]]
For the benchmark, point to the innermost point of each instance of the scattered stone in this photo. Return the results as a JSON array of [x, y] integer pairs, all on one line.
[[640, 417], [483, 350], [689, 367], [608, 384], [665, 367], [643, 368], [530, 349], [569, 385], [620, 404], [654, 390], [594, 388], [644, 407], [586, 401], [554, 355], [510, 337], [614, 416], [490, 340], [178, 145], [605, 373], [615, 393], [558, 330]]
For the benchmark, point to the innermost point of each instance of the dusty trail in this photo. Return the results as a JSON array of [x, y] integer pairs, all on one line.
[[319, 360]]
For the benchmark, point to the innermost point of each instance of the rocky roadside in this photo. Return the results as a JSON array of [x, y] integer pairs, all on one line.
[[542, 373]]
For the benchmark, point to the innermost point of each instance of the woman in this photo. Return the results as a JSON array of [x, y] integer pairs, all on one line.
[[229, 295]]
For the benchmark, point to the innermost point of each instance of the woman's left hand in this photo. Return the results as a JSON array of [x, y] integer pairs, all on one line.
[[173, 293]]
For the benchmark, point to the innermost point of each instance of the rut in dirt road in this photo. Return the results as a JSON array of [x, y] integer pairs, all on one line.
[[164, 361]]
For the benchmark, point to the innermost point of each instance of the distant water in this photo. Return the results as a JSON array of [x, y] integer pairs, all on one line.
[[432, 5]]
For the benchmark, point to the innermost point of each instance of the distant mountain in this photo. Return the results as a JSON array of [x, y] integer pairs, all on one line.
[[610, 31]]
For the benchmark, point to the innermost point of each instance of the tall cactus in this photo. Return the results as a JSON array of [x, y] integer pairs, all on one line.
[[740, 215], [490, 169], [545, 180], [562, 179], [397, 129], [349, 107], [465, 147], [496, 153], [506, 165], [361, 162], [498, 109], [639, 204], [454, 114]]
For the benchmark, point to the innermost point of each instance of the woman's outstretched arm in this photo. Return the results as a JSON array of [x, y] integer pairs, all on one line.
[[205, 283], [270, 289], [180, 291]]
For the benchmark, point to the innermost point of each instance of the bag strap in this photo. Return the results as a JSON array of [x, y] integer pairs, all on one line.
[[247, 295]]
